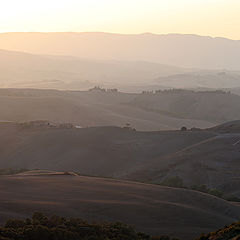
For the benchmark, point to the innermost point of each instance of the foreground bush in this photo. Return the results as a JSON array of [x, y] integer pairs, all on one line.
[[41, 227], [231, 232]]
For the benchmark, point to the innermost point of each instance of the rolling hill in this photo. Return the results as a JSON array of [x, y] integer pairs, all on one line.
[[213, 106], [213, 162], [198, 157], [175, 212], [86, 109], [202, 79], [101, 151], [209, 157], [165, 110]]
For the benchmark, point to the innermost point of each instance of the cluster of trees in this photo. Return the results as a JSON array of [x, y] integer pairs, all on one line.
[[44, 124], [99, 89], [179, 91], [11, 171], [41, 227], [177, 182], [183, 128], [205, 189]]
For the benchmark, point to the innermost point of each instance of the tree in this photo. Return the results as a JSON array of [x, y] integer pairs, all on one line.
[[174, 181], [183, 128], [215, 192]]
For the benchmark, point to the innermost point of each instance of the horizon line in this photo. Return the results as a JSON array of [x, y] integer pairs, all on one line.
[[117, 33]]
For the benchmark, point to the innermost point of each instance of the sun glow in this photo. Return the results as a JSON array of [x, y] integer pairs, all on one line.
[[204, 17]]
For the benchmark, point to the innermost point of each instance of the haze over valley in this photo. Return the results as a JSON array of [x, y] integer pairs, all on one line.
[[119, 120], [123, 64], [147, 138]]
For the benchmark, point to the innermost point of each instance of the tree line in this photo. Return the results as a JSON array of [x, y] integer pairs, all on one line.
[[41, 227]]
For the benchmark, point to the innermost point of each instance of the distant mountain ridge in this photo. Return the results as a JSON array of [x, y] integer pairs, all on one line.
[[174, 49]]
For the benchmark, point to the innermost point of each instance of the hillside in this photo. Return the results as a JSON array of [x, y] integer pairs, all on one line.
[[228, 127], [101, 151], [198, 157], [202, 105], [173, 49], [213, 162], [85, 109], [164, 110], [175, 212], [202, 79]]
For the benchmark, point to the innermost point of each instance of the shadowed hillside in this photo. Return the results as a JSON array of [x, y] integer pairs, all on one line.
[[153, 209], [104, 151], [213, 162], [198, 157]]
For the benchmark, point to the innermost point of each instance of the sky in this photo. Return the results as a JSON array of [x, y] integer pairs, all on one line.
[[217, 18]]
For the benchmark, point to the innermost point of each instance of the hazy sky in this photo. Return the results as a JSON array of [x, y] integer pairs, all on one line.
[[203, 17]]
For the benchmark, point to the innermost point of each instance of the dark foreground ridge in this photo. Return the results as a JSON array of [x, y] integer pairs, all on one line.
[[152, 209], [231, 232], [41, 227]]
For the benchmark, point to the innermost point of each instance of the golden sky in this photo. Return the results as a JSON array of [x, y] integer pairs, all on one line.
[[203, 17]]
